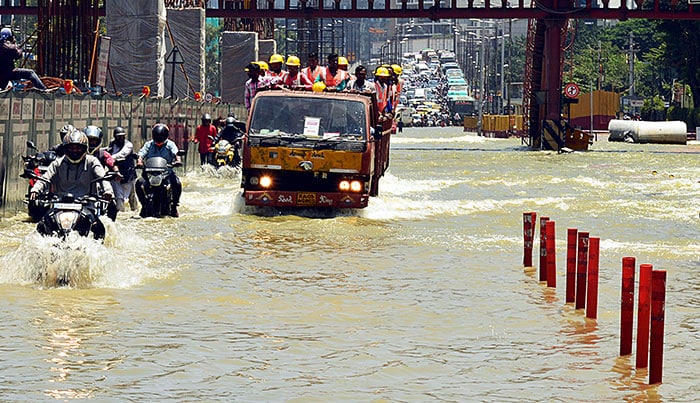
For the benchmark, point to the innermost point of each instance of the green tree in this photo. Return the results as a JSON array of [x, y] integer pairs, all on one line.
[[212, 56], [682, 51]]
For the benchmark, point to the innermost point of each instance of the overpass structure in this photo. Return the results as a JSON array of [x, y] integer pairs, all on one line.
[[548, 23]]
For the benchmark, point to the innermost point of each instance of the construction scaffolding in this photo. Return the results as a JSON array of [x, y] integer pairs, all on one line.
[[65, 37]]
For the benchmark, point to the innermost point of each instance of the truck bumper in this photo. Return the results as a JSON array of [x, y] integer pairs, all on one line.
[[277, 198]]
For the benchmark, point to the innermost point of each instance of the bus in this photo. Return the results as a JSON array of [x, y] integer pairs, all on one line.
[[464, 105]]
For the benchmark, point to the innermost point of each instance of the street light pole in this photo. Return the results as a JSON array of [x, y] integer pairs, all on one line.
[[480, 120]]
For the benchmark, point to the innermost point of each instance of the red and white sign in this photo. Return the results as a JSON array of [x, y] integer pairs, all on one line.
[[571, 90]]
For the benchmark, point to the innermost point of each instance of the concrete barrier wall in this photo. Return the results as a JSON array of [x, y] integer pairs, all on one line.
[[499, 126], [38, 117]]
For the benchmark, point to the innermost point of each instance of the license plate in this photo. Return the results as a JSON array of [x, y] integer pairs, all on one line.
[[67, 206], [306, 199]]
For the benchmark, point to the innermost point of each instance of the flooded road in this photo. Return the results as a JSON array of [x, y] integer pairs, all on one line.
[[420, 297]]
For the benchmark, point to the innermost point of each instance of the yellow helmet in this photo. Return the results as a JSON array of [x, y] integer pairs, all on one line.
[[276, 58], [382, 72], [293, 61], [342, 61], [397, 69], [263, 65], [318, 86]]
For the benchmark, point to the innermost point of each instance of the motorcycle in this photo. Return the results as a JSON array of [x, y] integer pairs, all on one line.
[[227, 154], [67, 214], [37, 163], [158, 197]]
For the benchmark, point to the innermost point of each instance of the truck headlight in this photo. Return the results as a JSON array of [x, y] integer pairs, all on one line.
[[265, 181]]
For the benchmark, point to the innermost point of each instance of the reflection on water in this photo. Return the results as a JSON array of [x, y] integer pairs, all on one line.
[[419, 297], [73, 329]]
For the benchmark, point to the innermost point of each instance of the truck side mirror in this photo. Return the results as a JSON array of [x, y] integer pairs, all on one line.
[[377, 132]]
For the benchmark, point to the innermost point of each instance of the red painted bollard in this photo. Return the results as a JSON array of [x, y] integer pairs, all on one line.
[[543, 249], [529, 234], [581, 269], [658, 314], [627, 305], [643, 315], [571, 235], [551, 255], [592, 291]]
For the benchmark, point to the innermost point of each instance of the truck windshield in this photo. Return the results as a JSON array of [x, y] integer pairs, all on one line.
[[311, 118]]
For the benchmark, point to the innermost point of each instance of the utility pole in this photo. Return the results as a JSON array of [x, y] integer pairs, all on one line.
[[480, 104], [631, 62]]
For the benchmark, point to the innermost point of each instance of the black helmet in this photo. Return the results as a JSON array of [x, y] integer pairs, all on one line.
[[119, 131], [160, 133], [73, 153], [94, 135], [206, 118], [230, 121]]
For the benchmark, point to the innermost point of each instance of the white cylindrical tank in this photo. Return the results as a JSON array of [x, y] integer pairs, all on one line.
[[635, 131]]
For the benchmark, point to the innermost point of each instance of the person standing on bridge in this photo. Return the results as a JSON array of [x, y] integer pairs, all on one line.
[[9, 52]]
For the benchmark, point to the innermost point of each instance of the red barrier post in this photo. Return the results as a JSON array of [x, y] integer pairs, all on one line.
[[627, 305], [529, 235], [551, 255], [658, 313], [571, 235], [543, 249], [643, 315], [581, 269], [592, 291]]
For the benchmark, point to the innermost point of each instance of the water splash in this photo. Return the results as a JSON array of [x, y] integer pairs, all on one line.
[[79, 262]]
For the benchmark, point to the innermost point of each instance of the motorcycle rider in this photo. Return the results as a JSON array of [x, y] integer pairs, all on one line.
[[159, 146], [74, 172], [122, 151], [230, 132], [234, 135]]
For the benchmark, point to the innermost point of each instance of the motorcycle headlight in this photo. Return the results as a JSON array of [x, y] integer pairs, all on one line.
[[155, 180], [66, 219]]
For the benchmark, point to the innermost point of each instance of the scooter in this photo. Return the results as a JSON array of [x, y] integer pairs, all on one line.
[[38, 163], [158, 193], [69, 214]]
